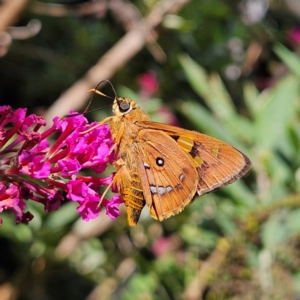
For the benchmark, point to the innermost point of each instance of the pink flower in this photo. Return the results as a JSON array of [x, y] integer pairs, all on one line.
[[112, 206], [33, 170], [148, 84], [168, 116], [162, 246], [69, 166], [33, 165], [293, 36]]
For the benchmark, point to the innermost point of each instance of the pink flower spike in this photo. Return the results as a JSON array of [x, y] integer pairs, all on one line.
[[107, 180], [41, 146], [32, 170], [102, 153]]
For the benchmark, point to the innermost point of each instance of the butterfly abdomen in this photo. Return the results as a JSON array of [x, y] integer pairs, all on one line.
[[133, 198]]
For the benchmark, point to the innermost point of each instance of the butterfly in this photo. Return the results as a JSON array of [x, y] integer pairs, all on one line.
[[165, 167]]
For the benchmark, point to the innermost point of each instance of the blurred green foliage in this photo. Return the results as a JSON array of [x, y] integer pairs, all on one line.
[[241, 242]]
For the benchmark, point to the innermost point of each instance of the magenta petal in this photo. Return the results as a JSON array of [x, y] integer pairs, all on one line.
[[69, 167], [106, 180], [102, 153], [42, 145], [10, 198], [39, 168], [53, 201], [77, 190], [34, 165], [80, 147], [111, 206], [89, 209], [19, 115], [99, 168]]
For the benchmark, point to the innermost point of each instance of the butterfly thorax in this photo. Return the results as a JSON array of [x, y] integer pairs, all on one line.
[[122, 124]]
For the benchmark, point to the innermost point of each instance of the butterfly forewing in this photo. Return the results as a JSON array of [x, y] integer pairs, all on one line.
[[216, 162], [168, 177]]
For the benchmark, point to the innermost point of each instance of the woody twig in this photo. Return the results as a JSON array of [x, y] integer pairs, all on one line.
[[207, 270], [10, 11], [128, 46]]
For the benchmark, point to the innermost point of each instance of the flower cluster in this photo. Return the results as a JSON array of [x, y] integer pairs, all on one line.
[[32, 169]]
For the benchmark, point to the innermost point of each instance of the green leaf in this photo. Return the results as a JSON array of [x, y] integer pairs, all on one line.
[[65, 215], [210, 88], [22, 233], [196, 75], [225, 222], [275, 117], [296, 279], [291, 60], [195, 236], [240, 193], [213, 91], [274, 231], [251, 96], [141, 284], [293, 222], [205, 122]]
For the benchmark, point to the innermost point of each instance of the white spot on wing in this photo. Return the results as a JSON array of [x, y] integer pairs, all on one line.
[[153, 189], [169, 188], [181, 177], [161, 190], [159, 161]]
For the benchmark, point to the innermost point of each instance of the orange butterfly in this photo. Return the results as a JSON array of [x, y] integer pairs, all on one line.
[[165, 166]]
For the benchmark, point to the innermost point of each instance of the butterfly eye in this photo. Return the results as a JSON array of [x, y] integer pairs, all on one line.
[[124, 106]]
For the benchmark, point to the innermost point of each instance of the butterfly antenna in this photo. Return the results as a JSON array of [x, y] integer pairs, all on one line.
[[96, 91], [112, 87], [87, 112]]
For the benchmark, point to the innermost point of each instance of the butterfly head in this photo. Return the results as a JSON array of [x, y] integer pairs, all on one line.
[[123, 105]]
